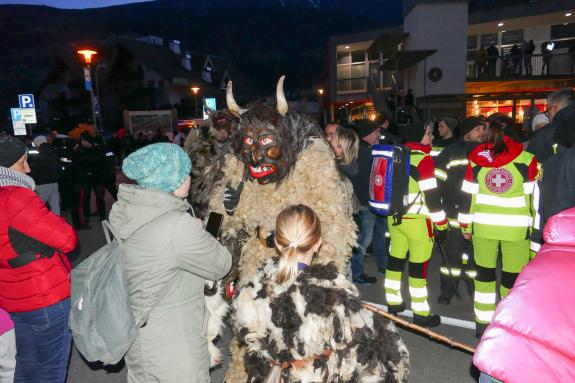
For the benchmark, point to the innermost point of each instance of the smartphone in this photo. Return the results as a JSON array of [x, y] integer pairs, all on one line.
[[214, 224]]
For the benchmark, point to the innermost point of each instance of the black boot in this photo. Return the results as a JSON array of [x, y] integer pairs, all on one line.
[[427, 321], [395, 309], [448, 286], [480, 329]]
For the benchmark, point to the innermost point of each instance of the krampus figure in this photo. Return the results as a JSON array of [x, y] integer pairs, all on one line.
[[280, 159]]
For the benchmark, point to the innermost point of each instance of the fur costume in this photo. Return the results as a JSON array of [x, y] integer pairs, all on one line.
[[319, 311], [207, 156], [303, 172], [315, 181], [218, 308]]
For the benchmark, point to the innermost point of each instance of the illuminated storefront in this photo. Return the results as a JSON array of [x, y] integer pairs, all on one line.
[[514, 108]]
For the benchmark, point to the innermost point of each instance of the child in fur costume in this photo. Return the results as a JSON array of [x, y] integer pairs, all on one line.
[[305, 323]]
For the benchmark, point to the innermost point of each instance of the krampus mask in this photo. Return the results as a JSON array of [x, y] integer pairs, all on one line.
[[270, 136]]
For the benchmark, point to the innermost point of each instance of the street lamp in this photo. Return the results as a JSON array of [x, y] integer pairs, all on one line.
[[321, 106], [87, 54], [195, 90]]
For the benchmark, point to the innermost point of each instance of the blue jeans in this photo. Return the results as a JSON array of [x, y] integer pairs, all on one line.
[[371, 226], [43, 343], [484, 378]]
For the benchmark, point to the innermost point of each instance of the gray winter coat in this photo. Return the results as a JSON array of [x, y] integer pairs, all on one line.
[[168, 256]]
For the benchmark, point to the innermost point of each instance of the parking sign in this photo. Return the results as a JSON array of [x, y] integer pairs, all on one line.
[[26, 101], [17, 122], [16, 114]]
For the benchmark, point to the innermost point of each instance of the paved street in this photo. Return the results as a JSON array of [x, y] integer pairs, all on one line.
[[431, 362]]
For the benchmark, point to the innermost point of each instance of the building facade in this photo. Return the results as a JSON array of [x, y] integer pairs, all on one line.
[[454, 62], [131, 73]]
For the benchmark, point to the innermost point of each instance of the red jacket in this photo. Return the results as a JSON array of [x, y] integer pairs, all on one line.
[[25, 222]]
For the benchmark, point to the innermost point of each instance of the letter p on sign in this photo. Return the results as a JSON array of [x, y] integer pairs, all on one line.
[[26, 101]]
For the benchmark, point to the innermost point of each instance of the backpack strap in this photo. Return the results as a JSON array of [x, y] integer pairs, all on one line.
[[108, 229]]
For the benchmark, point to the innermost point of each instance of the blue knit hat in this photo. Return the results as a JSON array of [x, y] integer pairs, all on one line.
[[160, 166]]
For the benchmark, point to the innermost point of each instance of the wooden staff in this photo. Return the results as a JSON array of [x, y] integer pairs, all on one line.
[[428, 332]]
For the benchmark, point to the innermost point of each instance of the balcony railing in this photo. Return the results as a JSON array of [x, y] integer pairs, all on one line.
[[352, 85], [520, 66]]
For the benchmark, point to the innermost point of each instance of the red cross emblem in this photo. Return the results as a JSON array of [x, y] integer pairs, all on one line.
[[499, 180]]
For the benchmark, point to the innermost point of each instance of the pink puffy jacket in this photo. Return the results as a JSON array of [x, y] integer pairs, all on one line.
[[532, 335]]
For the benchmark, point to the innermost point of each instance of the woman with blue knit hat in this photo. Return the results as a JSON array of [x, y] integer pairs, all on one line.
[[167, 257]]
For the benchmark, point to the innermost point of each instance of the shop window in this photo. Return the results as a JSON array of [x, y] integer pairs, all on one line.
[[343, 58], [358, 56], [357, 70], [563, 31], [512, 37], [488, 39], [472, 42]]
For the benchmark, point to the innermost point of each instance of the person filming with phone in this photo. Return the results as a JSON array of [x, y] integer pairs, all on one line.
[[167, 257]]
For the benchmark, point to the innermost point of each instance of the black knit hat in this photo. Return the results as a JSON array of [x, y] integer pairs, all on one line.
[[469, 124], [450, 122], [413, 132], [11, 150], [365, 127], [564, 121]]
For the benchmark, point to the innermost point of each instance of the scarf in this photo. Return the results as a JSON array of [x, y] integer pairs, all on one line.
[[11, 178]]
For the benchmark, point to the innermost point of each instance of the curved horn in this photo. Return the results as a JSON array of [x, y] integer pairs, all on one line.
[[232, 105], [281, 98]]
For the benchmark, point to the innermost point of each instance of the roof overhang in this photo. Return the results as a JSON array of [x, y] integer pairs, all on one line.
[[387, 43], [405, 59]]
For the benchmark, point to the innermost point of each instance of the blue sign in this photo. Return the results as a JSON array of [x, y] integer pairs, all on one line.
[[26, 101], [16, 114], [87, 79], [211, 103]]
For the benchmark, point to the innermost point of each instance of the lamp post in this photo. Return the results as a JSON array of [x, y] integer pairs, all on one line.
[[87, 54], [195, 90], [321, 106]]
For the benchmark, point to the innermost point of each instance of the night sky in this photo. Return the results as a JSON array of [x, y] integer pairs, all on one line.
[[72, 3]]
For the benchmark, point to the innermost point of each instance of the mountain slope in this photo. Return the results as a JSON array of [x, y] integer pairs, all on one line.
[[263, 38]]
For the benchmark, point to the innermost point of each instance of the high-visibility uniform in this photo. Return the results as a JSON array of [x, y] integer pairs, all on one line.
[[440, 144], [415, 233], [450, 167], [499, 213]]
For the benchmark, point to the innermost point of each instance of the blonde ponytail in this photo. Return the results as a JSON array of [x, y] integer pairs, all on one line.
[[297, 230], [287, 265]]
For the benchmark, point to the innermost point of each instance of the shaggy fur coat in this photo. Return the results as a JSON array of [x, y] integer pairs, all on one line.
[[315, 181], [319, 311]]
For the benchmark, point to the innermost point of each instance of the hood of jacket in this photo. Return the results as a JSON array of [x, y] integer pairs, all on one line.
[[483, 156], [136, 207]]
